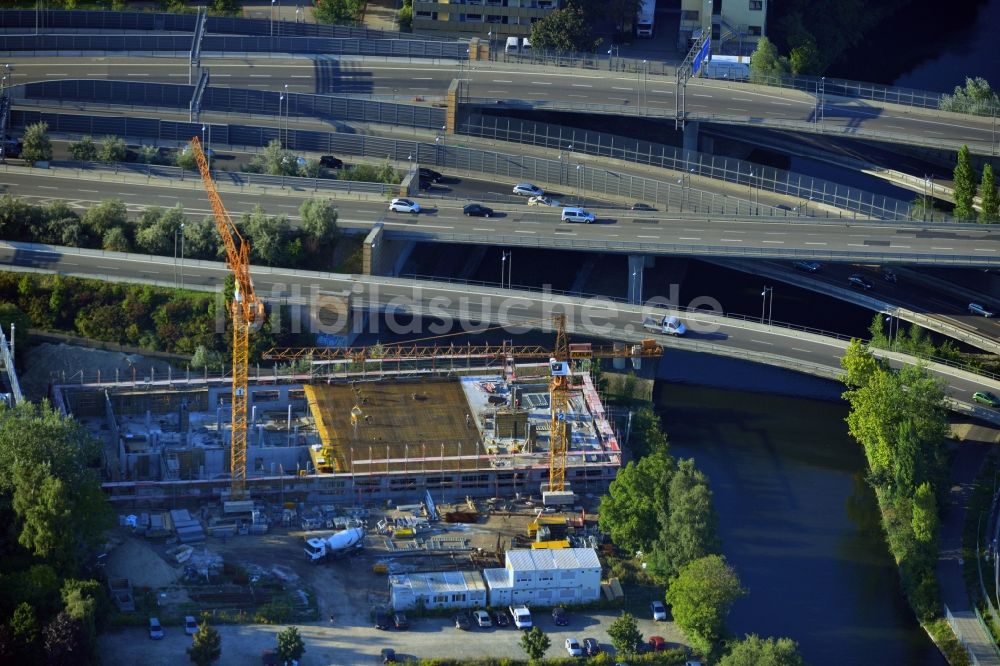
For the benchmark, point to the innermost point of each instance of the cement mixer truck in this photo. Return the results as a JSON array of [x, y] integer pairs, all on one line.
[[340, 543]]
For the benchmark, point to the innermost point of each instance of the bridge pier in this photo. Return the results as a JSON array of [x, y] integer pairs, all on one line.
[[381, 256], [691, 135], [637, 263]]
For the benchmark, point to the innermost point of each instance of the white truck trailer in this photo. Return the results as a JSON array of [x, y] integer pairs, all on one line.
[[645, 18]]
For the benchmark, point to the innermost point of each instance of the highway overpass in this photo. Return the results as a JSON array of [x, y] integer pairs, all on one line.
[[419, 306], [488, 84], [518, 225]]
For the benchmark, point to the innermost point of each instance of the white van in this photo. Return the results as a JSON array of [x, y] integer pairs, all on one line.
[[577, 215], [525, 46], [512, 45]]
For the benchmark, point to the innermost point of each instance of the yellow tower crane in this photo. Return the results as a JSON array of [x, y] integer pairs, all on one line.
[[248, 316]]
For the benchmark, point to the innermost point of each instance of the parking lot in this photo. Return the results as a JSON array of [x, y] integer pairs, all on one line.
[[357, 643]]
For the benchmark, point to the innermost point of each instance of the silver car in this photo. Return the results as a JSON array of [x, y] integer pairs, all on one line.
[[528, 190]]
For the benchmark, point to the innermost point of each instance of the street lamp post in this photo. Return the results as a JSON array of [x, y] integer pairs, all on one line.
[[506, 269], [889, 318], [179, 231], [281, 100], [272, 18], [822, 103], [579, 178], [288, 99], [763, 301]]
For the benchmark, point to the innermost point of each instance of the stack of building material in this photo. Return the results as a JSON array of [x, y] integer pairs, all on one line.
[[188, 529]]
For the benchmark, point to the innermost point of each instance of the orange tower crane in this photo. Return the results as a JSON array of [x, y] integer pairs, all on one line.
[[560, 381], [248, 316]]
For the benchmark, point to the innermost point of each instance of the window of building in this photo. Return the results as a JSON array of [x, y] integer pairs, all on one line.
[[753, 30], [473, 18], [690, 15], [425, 15], [756, 5]]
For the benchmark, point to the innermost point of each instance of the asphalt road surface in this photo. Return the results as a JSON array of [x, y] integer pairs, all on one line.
[[506, 82], [540, 226]]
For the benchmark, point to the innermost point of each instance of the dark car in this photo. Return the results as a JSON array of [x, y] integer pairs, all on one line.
[[477, 210], [330, 162], [860, 282], [462, 621], [426, 184], [430, 174], [807, 266], [889, 275], [559, 617], [382, 621], [388, 656], [269, 658], [501, 619], [641, 206], [12, 147], [399, 621], [591, 647]]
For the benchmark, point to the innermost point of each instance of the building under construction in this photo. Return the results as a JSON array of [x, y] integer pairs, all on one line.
[[353, 434]]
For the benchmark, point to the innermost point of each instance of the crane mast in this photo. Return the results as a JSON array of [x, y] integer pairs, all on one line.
[[248, 316]]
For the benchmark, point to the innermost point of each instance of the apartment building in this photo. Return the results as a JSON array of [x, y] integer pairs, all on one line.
[[479, 18], [735, 25]]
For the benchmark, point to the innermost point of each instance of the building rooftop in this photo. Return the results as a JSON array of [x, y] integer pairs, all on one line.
[[440, 582], [547, 559], [497, 578]]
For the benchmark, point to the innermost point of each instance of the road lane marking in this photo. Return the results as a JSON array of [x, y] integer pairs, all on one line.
[[581, 85], [782, 103], [979, 249], [502, 81], [905, 247], [731, 240], [942, 248], [653, 237], [541, 83], [616, 88], [811, 243], [742, 99], [297, 76], [775, 242], [523, 231], [47, 187], [63, 74], [685, 238], [762, 342]]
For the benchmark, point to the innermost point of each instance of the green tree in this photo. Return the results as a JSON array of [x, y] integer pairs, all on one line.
[[859, 363], [319, 222], [925, 518], [206, 645], [965, 185], [149, 154], [630, 512], [691, 528], [338, 11], [36, 146], [84, 150], [290, 645], [404, 19], [107, 215], [701, 596], [277, 161], [562, 30], [270, 236], [766, 63], [975, 97], [804, 58], [186, 160], [116, 240], [156, 229], [112, 149], [624, 634], [311, 169], [202, 240], [36, 438], [535, 643], [42, 503], [77, 593], [24, 627], [989, 205], [227, 7], [756, 651]]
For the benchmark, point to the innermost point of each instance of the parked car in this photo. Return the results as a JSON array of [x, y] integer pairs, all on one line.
[[657, 643], [269, 658], [528, 190], [155, 630], [559, 616], [477, 210], [807, 266], [573, 647], [642, 207], [591, 646], [986, 398], [501, 619], [543, 201], [190, 625], [382, 621], [331, 162], [399, 621], [388, 656], [425, 184], [659, 611], [12, 147], [430, 174], [860, 282], [462, 621], [976, 308], [482, 618], [404, 206]]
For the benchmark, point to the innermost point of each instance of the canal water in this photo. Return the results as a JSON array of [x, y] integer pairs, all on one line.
[[796, 519]]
